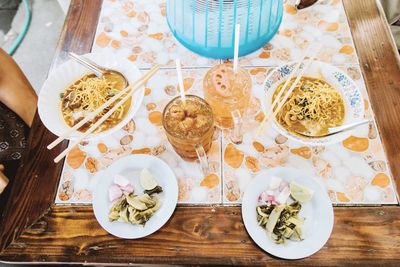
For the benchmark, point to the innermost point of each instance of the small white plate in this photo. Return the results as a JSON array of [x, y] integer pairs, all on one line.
[[49, 104], [318, 214], [130, 167]]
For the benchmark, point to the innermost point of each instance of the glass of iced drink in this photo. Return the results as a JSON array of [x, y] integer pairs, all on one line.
[[229, 94], [189, 127]]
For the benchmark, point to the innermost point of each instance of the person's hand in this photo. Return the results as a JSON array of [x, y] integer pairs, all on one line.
[[3, 179], [300, 4]]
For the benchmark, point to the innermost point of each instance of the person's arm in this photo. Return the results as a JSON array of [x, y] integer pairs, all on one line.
[[15, 90], [3, 179]]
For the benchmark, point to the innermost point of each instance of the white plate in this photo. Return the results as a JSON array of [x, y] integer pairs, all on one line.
[[318, 214], [130, 167], [49, 104], [351, 94]]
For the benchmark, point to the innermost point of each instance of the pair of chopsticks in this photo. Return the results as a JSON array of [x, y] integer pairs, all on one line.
[[278, 103], [129, 91]]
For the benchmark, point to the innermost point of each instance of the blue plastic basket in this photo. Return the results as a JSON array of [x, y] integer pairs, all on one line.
[[207, 27]]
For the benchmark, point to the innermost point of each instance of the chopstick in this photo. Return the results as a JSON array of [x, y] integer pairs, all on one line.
[[93, 127], [278, 97], [141, 81], [268, 118]]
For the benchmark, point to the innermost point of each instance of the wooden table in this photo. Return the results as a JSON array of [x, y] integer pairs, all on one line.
[[33, 229]]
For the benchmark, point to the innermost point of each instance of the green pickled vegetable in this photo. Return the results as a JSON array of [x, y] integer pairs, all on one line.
[[134, 209], [155, 190], [281, 221]]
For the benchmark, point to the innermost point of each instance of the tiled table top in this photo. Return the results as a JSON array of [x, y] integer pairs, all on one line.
[[353, 172]]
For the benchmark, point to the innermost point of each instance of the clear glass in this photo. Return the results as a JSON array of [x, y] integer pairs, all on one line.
[[190, 128], [227, 93], [236, 133]]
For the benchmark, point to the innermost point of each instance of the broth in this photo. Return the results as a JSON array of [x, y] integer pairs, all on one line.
[[89, 93], [312, 108]]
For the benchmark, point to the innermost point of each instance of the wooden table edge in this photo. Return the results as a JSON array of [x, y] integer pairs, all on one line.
[[22, 225]]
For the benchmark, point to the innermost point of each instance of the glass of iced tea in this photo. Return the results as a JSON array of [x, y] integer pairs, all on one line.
[[229, 94], [190, 128]]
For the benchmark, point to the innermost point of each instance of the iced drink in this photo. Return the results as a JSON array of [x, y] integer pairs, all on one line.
[[227, 92], [189, 126]]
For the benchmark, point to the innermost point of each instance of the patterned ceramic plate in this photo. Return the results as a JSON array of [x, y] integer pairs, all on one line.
[[49, 97], [351, 94]]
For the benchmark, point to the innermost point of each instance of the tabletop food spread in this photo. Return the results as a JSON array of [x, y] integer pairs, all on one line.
[[253, 111], [353, 172]]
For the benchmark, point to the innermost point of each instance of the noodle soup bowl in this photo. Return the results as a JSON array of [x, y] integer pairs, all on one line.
[[350, 93], [49, 103]]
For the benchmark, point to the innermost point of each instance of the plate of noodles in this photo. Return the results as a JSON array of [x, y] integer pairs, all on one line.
[[325, 97], [72, 91]]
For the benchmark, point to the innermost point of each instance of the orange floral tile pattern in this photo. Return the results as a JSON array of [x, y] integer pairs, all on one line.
[[233, 156], [138, 31], [125, 27], [304, 152], [381, 180], [75, 158], [102, 147], [144, 135], [210, 181], [358, 144], [323, 23], [353, 172]]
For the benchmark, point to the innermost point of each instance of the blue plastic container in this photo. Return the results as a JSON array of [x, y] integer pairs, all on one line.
[[207, 27]]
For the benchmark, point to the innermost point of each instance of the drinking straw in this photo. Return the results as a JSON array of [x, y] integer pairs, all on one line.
[[180, 80], [236, 48]]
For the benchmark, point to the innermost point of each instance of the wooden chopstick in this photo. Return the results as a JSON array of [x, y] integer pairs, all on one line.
[[141, 81], [278, 97], [108, 114], [93, 127], [268, 118]]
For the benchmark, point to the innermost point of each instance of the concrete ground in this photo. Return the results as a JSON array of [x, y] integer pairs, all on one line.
[[7, 13], [36, 51]]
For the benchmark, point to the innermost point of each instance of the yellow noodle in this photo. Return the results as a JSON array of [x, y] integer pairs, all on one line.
[[86, 95], [313, 107]]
